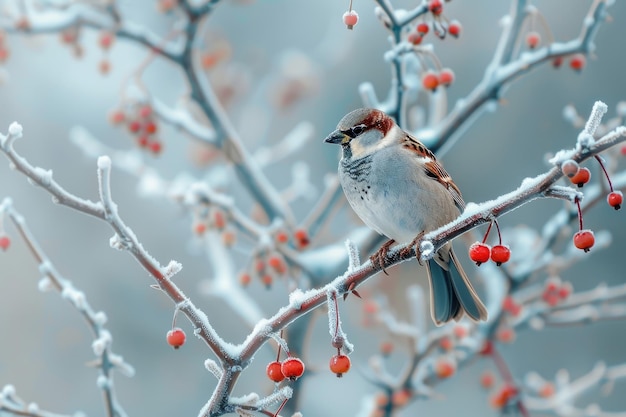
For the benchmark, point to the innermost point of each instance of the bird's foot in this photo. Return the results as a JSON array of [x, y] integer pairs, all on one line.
[[378, 259], [418, 253]]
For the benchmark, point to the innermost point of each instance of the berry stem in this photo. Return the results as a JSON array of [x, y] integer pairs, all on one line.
[[281, 407], [487, 232], [499, 235], [279, 347], [580, 214], [350, 6], [506, 374], [606, 174]]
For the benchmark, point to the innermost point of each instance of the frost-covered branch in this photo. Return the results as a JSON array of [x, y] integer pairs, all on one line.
[[106, 361]]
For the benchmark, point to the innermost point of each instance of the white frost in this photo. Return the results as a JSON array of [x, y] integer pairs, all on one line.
[[45, 284], [100, 318], [213, 367], [426, 249], [104, 162], [15, 129], [103, 382]]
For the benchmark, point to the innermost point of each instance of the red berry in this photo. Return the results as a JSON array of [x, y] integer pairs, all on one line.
[[570, 168], [5, 242], [435, 7], [274, 371], [219, 219], [176, 337], [277, 263], [281, 237], [479, 252], [386, 348], [145, 111], [557, 62], [339, 365], [117, 117], [267, 280], [302, 238], [615, 199], [245, 279], [150, 127], [454, 28], [104, 66], [582, 177], [134, 126], [106, 40], [503, 396], [500, 254], [487, 379], [143, 141], [423, 28], [584, 240], [350, 19], [444, 369], [292, 368], [533, 39], [577, 62], [414, 38], [546, 390], [156, 147], [446, 77], [430, 81]]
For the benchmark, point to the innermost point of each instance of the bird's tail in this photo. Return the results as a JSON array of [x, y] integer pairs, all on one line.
[[451, 291]]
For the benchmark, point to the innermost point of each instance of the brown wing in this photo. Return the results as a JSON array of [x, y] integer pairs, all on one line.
[[434, 169]]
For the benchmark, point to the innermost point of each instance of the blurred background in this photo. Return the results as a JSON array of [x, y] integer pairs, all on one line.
[[44, 343]]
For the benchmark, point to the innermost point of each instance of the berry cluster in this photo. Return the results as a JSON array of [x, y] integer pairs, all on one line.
[[214, 218], [556, 291], [291, 368], [433, 79], [141, 123], [437, 22], [480, 252], [584, 239]]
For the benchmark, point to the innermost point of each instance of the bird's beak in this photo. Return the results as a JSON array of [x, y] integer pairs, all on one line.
[[337, 137]]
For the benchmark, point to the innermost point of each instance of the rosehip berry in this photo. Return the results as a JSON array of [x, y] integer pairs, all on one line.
[[150, 127], [339, 365], [134, 126], [444, 369], [277, 263], [615, 199], [116, 117], [350, 19], [5, 242], [430, 81], [581, 177], [454, 28], [414, 38], [533, 39], [577, 62], [106, 40], [274, 371], [292, 368], [446, 77], [570, 168], [584, 240], [479, 252], [423, 28], [500, 254], [145, 111], [176, 337], [302, 238], [156, 147], [435, 7]]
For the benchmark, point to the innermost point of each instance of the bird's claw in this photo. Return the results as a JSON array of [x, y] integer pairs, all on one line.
[[378, 259]]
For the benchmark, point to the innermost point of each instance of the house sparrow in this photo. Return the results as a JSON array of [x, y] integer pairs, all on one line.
[[398, 188]]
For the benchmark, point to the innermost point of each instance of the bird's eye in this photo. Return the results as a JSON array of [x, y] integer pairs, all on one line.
[[357, 130]]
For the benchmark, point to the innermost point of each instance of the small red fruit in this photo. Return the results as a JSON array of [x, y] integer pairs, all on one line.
[[106, 40], [117, 117], [415, 38], [301, 237], [150, 127], [444, 369], [134, 126], [5, 242], [350, 19], [533, 39], [430, 81], [615, 199], [274, 371], [423, 28], [582, 177], [487, 379], [143, 141], [584, 240], [454, 28], [570, 168], [446, 77], [156, 147], [557, 62], [292, 368], [281, 237], [145, 111], [245, 279], [500, 254], [176, 337], [577, 62], [339, 365], [435, 7], [479, 252]]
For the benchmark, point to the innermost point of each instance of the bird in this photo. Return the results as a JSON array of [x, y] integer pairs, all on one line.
[[397, 187]]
